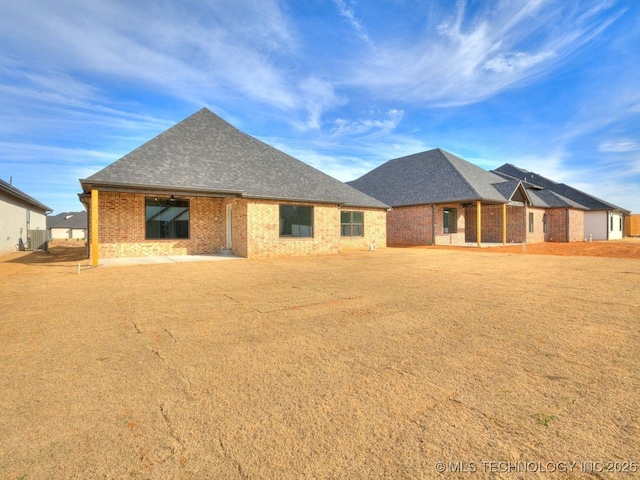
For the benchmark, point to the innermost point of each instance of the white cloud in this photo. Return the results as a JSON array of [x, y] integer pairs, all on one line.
[[343, 127], [619, 145], [470, 56], [192, 52], [318, 96], [511, 62], [348, 12]]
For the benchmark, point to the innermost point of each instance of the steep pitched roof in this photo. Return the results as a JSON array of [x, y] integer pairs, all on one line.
[[571, 196], [434, 176], [13, 192], [68, 220], [205, 154]]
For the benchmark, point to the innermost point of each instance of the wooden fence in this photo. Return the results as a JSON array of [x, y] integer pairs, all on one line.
[[632, 225]]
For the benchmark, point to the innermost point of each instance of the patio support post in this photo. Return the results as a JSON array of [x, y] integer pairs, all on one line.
[[479, 222], [504, 223], [94, 227]]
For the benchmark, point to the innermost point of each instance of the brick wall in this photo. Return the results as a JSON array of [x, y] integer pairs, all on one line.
[[538, 234], [263, 235], [375, 230], [576, 225], [457, 238], [492, 224], [556, 225], [238, 225], [410, 225], [255, 228], [122, 227], [557, 219]]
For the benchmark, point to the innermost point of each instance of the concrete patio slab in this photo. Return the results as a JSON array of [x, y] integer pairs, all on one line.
[[164, 259]]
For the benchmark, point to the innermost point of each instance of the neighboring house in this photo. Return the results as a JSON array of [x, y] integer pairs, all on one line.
[[571, 215], [439, 198], [19, 214], [67, 225], [203, 185]]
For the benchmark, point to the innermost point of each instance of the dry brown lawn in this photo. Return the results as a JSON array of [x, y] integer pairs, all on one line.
[[358, 365]]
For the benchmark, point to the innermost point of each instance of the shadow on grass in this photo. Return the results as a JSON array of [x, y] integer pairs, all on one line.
[[55, 255]]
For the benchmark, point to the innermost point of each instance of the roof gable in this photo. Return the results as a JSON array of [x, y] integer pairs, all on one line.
[[205, 153]]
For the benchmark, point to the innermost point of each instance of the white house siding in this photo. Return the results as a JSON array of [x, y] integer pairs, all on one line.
[[64, 233], [78, 233], [616, 227], [595, 224], [60, 233], [13, 219]]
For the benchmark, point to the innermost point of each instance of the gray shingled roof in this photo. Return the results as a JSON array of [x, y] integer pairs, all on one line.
[[74, 220], [13, 192], [205, 154], [548, 199], [571, 196], [434, 176]]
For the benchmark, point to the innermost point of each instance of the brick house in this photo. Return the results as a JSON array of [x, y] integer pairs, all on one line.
[[439, 198], [570, 215], [203, 186]]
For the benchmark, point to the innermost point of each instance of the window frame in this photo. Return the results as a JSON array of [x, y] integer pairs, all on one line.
[[351, 224], [531, 222], [282, 227], [172, 203]]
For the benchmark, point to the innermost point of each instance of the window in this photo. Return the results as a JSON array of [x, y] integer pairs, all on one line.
[[544, 223], [351, 224], [296, 221], [530, 222], [611, 228], [167, 218], [620, 223], [450, 220]]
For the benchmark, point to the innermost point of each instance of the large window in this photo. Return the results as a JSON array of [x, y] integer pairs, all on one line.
[[296, 221], [351, 224], [167, 218], [450, 220]]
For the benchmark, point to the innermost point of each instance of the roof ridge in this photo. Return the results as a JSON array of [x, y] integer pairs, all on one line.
[[464, 179]]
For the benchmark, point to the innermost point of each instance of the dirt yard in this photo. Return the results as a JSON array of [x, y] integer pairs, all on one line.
[[359, 365]]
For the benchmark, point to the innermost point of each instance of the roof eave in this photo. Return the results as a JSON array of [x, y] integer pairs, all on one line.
[[88, 186], [334, 201]]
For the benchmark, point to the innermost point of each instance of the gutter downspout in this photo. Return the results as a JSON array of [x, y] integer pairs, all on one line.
[[608, 223]]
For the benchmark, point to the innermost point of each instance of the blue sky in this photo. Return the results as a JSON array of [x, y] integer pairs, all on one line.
[[344, 85]]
